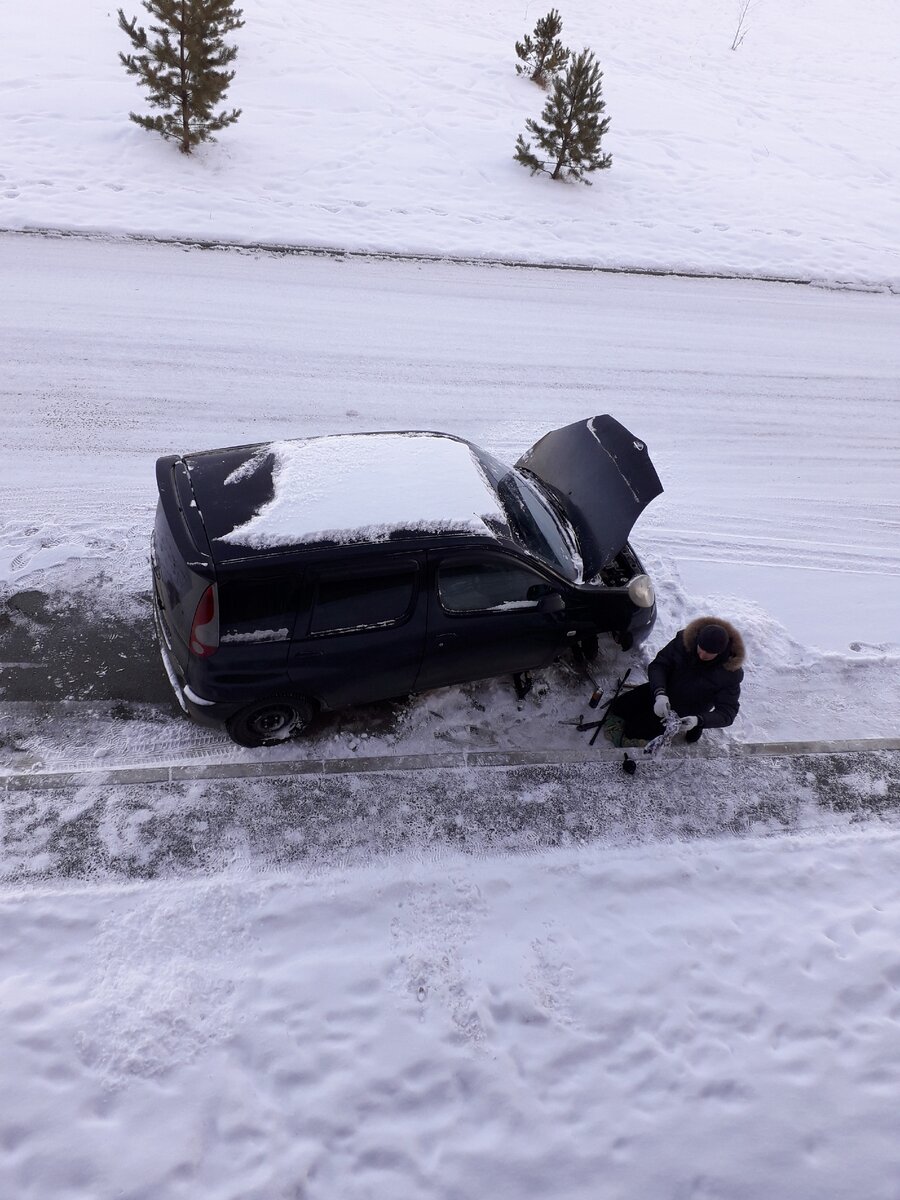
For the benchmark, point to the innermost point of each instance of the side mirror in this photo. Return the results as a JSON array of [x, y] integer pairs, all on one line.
[[551, 603]]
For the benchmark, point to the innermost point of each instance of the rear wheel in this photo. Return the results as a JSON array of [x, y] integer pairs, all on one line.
[[271, 722]]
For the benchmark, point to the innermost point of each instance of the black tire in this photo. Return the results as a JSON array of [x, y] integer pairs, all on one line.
[[271, 722], [589, 645]]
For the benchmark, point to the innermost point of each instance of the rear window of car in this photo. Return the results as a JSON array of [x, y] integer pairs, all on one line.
[[258, 608], [357, 601]]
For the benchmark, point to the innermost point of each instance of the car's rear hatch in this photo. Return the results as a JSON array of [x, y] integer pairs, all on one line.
[[182, 564], [602, 477], [230, 486]]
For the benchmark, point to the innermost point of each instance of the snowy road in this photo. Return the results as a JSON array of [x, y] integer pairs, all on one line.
[[771, 412]]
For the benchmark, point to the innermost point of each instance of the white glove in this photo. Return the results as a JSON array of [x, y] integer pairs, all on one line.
[[661, 706], [687, 723]]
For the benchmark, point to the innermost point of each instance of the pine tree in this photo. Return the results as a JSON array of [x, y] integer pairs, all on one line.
[[543, 55], [574, 127], [183, 68]]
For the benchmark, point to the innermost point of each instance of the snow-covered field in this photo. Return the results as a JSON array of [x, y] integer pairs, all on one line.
[[393, 127], [251, 992]]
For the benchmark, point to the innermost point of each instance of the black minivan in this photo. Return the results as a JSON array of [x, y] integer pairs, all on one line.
[[315, 573]]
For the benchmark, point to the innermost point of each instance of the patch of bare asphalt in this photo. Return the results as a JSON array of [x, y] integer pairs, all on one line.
[[56, 647]]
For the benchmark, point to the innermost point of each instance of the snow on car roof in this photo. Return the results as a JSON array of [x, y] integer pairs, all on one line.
[[364, 487]]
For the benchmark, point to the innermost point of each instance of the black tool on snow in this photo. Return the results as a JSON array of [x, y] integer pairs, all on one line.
[[581, 661], [598, 724]]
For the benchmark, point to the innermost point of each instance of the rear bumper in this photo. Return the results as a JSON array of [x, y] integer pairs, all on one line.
[[172, 673], [204, 712]]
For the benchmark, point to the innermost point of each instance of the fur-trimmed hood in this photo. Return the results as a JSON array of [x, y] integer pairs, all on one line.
[[734, 656]]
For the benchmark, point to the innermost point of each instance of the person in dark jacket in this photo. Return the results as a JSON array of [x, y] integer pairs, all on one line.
[[697, 676]]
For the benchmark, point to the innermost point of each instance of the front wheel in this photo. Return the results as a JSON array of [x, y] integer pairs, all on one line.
[[589, 645], [271, 722]]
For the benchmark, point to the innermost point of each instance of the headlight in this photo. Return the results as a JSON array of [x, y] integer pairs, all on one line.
[[640, 591]]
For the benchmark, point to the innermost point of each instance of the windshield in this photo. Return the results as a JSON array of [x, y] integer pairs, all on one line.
[[542, 530]]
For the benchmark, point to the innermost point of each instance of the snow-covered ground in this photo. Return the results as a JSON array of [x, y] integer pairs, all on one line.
[[708, 1020], [393, 127], [694, 993]]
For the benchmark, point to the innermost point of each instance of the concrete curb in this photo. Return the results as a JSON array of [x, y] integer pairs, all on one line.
[[278, 249], [384, 764]]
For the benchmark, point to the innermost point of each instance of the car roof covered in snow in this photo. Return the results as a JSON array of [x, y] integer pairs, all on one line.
[[345, 488]]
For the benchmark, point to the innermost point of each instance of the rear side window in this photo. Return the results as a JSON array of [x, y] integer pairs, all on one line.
[[258, 608], [488, 586], [345, 603]]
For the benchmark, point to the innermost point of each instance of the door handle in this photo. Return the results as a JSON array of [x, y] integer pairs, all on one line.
[[446, 639]]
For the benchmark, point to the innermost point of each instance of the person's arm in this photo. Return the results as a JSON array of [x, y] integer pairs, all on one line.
[[659, 670], [728, 702]]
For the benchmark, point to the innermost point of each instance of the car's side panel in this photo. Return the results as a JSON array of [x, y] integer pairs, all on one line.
[[362, 635], [257, 612], [483, 622]]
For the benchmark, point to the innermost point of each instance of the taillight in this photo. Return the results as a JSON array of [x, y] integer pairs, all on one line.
[[205, 628]]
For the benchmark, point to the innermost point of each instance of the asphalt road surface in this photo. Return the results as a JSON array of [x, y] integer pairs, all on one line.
[[55, 647]]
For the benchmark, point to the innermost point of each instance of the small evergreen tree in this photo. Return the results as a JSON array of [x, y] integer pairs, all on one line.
[[574, 127], [544, 54], [183, 68]]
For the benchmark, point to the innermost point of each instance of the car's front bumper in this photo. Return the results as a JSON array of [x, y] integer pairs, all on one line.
[[641, 624]]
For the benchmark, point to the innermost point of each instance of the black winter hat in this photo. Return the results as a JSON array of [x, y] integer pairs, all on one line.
[[713, 639]]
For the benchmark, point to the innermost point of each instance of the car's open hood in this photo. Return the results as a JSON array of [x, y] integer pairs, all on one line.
[[603, 478]]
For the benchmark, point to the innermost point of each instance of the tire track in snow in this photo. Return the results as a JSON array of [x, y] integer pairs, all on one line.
[[734, 547]]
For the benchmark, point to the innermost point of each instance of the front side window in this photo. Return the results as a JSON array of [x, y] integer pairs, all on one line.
[[489, 586], [345, 603]]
